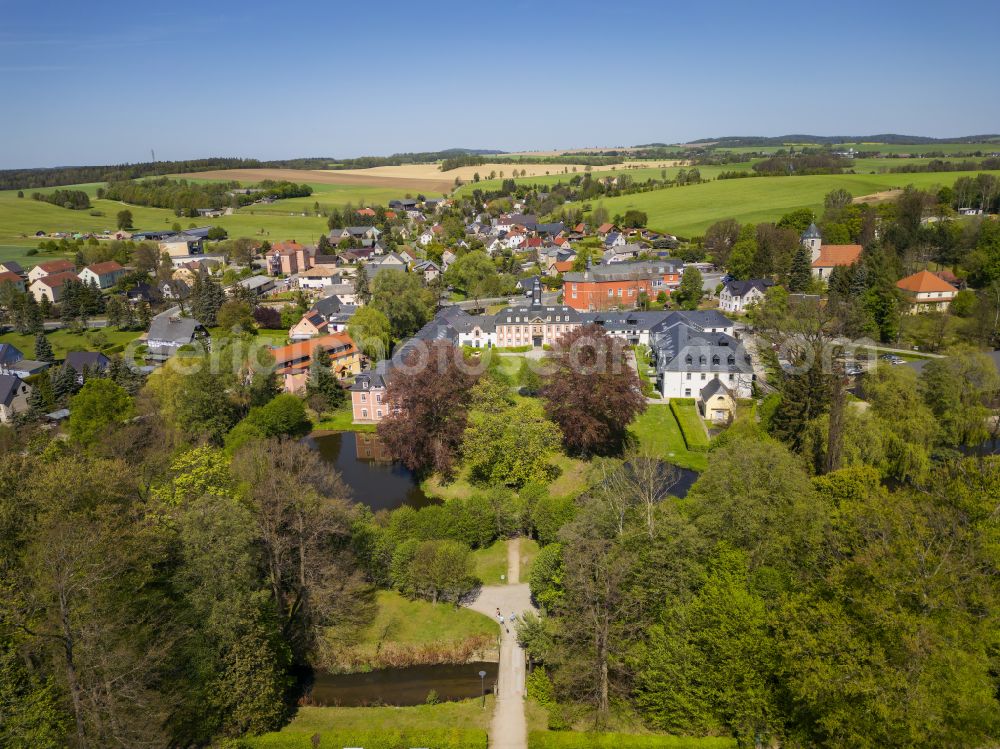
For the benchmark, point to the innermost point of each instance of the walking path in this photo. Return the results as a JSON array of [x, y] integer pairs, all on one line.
[[508, 730]]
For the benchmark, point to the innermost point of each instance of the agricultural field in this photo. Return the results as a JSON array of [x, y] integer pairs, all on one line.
[[688, 211], [922, 148]]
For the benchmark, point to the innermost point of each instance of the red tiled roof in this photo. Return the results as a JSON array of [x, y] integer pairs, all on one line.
[[831, 255], [302, 350], [8, 276], [563, 266], [107, 267], [57, 266], [923, 282], [54, 280], [289, 245], [605, 228]]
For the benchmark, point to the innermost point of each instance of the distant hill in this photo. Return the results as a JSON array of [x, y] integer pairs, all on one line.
[[745, 141]]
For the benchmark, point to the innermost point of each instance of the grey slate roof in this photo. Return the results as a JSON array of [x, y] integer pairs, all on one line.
[[683, 349], [9, 353], [9, 385], [812, 232], [713, 387], [625, 271], [81, 360], [739, 288], [172, 329]]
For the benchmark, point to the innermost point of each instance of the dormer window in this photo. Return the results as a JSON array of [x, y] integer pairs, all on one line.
[[715, 359], [730, 360], [688, 359], [701, 359]]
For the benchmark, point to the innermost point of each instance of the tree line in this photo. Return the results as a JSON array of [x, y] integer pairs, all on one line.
[[72, 199]]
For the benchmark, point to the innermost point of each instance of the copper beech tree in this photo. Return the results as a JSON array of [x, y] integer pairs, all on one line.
[[591, 391], [429, 396]]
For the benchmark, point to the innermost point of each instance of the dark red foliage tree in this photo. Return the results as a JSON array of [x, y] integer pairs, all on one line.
[[429, 400], [267, 317], [591, 391]]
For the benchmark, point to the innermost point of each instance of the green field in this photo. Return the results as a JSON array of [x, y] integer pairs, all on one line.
[[688, 211], [658, 432], [63, 341], [922, 148]]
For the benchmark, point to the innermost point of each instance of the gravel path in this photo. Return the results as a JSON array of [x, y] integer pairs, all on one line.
[[508, 729]]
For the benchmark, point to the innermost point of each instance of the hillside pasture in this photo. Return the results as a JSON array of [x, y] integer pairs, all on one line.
[[688, 211], [435, 183]]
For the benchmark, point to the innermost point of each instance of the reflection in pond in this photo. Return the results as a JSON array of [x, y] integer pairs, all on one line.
[[402, 686], [374, 478]]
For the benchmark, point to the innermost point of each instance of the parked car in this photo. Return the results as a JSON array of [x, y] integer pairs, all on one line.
[[854, 371], [892, 359]]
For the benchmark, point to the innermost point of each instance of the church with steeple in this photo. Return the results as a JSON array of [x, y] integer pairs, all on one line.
[[826, 257]]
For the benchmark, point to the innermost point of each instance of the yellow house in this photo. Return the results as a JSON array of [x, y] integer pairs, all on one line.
[[925, 292], [717, 402]]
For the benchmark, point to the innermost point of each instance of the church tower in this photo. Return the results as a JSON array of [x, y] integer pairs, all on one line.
[[536, 294], [811, 238]]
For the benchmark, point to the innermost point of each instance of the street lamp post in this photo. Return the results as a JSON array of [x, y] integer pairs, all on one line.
[[482, 684]]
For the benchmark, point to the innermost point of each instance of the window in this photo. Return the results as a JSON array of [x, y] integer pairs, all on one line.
[[364, 413], [715, 359], [703, 376], [378, 398], [732, 377], [379, 413], [364, 398], [730, 360], [688, 376], [688, 359], [611, 292], [687, 392]]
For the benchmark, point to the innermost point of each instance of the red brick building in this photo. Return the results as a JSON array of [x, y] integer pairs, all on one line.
[[619, 285]]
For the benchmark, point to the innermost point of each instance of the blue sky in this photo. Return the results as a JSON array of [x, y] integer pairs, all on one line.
[[95, 83]]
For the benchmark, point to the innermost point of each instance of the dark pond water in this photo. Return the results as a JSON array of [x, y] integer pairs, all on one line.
[[402, 686], [685, 481], [375, 479]]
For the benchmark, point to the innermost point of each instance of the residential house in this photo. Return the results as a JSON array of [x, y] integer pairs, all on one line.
[[105, 275], [426, 237], [619, 284], [51, 268], [428, 269], [738, 296], [319, 277], [177, 288], [86, 363], [14, 394], [605, 229], [827, 257], [447, 258], [51, 286], [336, 310], [288, 258], [12, 278], [292, 362], [311, 325], [926, 292], [9, 354], [407, 256], [169, 331], [620, 253], [392, 261], [9, 266], [614, 239], [368, 395]]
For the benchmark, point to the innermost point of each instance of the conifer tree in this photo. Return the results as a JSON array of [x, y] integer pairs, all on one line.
[[43, 349], [800, 274]]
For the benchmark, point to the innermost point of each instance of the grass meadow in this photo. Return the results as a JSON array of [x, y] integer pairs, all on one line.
[[687, 211]]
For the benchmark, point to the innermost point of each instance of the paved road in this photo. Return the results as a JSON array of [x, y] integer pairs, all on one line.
[[508, 729]]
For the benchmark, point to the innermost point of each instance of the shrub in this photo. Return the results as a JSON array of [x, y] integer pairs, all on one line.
[[693, 431], [546, 576], [549, 515]]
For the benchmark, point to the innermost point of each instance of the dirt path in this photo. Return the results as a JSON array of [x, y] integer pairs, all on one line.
[[508, 729]]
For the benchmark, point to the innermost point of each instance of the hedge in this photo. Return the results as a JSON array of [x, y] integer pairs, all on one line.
[[692, 430], [443, 738], [579, 740]]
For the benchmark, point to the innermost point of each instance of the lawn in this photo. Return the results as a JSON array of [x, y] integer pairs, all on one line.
[[449, 725], [342, 421], [529, 550], [405, 633], [491, 563], [658, 431], [688, 211], [63, 341], [586, 740]]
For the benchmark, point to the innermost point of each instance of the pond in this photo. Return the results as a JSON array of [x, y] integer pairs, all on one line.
[[685, 480], [402, 686], [374, 478]]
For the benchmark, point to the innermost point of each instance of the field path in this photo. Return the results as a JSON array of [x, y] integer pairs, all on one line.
[[508, 729]]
